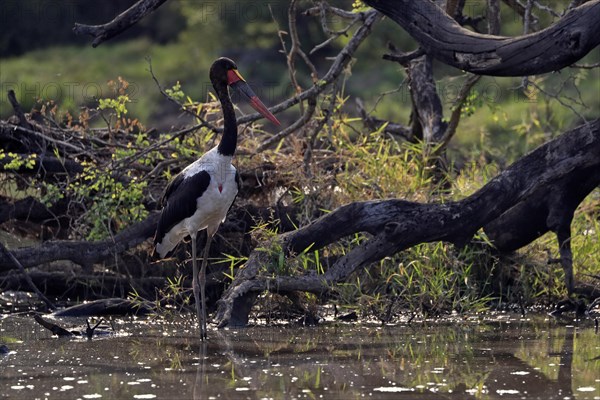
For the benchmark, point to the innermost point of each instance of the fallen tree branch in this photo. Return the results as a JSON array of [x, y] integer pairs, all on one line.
[[397, 225], [64, 285], [82, 252]]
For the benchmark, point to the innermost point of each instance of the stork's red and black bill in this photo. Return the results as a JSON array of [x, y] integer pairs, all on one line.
[[235, 80]]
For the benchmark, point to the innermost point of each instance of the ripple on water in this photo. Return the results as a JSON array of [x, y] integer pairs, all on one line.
[[507, 391], [586, 389], [393, 389]]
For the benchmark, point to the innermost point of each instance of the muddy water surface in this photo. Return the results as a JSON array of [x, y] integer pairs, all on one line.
[[504, 357]]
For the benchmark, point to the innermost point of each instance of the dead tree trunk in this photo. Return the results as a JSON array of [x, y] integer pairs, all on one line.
[[396, 225]]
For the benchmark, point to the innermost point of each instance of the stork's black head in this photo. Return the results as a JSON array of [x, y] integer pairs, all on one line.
[[219, 71], [223, 73]]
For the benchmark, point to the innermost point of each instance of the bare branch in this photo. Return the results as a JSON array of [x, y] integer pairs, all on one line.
[[551, 49], [401, 57], [556, 96], [82, 252], [122, 22], [41, 135], [324, 8]]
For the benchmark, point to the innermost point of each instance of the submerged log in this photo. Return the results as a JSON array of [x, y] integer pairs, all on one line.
[[59, 331], [396, 225]]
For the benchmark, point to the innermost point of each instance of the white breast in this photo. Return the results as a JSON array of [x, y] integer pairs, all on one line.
[[213, 205]]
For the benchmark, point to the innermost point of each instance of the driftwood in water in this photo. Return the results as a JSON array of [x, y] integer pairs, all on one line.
[[59, 331], [396, 225]]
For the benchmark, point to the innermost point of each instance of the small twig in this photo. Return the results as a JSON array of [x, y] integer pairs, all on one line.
[[597, 277], [30, 282], [295, 49], [520, 9], [575, 3], [335, 11], [546, 9], [89, 331], [310, 144], [175, 135], [291, 55]]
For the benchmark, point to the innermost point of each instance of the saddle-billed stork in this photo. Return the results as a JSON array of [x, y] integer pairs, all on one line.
[[199, 196]]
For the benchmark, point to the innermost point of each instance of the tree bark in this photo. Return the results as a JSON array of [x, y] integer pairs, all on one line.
[[551, 49], [426, 103], [397, 225]]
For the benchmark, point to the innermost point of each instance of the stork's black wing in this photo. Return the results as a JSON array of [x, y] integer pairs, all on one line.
[[171, 187], [179, 201]]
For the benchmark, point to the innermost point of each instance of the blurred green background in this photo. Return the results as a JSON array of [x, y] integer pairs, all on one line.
[[40, 57]]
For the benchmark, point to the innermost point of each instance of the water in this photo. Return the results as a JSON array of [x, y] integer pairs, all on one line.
[[504, 357]]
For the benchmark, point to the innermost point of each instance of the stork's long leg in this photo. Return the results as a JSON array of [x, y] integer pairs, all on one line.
[[203, 285], [195, 283]]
